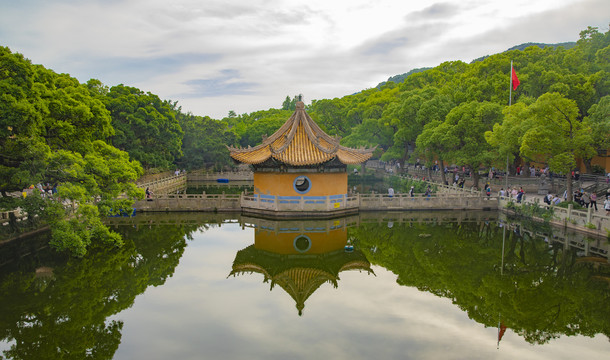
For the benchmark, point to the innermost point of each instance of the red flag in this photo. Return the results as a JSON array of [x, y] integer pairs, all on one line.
[[502, 329], [515, 80]]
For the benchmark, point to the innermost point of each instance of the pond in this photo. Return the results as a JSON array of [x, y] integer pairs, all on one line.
[[452, 285]]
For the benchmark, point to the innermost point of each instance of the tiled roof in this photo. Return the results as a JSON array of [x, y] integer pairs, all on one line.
[[300, 141]]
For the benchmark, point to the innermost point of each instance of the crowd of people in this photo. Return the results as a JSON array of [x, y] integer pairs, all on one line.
[[44, 190], [514, 193]]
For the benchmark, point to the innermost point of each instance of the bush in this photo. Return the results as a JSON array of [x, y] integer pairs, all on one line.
[[575, 205], [403, 185], [598, 170]]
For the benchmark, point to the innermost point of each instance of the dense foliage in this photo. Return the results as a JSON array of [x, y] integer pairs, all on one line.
[[54, 131], [459, 113], [538, 288], [63, 310], [94, 141]]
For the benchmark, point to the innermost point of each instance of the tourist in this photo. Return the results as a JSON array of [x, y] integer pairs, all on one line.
[[520, 195], [148, 194], [607, 205], [501, 193], [586, 200], [412, 191], [514, 193], [390, 192], [556, 200], [578, 197], [593, 198]]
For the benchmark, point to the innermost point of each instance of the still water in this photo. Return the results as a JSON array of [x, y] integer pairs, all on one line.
[[385, 286]]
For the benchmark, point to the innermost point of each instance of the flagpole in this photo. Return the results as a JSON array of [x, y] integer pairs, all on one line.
[[510, 88], [510, 97]]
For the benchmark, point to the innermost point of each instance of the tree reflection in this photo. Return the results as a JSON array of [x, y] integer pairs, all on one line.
[[544, 290], [61, 311]]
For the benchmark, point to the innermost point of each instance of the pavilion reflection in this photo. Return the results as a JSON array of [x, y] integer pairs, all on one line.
[[300, 256]]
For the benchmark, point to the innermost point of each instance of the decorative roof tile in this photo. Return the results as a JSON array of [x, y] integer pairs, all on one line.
[[300, 142]]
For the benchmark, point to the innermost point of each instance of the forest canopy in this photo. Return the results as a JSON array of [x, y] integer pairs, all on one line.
[[90, 142]]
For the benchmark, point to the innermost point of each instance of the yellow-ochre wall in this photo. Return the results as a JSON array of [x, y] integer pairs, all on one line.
[[283, 243], [603, 161], [281, 184]]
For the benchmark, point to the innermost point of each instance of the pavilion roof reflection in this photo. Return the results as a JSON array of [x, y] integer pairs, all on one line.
[[300, 256]]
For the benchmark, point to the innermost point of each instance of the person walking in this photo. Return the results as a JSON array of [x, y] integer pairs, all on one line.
[[586, 199], [520, 195], [607, 205], [593, 199]]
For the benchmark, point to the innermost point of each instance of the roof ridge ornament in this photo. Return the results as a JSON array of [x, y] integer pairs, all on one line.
[[296, 146]]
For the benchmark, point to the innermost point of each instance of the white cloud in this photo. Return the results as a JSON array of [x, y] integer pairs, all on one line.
[[216, 56]]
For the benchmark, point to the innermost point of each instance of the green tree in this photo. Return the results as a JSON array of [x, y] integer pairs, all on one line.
[[556, 136], [290, 104], [541, 292], [146, 127], [204, 142], [66, 314], [599, 122], [465, 126], [506, 137], [54, 131]]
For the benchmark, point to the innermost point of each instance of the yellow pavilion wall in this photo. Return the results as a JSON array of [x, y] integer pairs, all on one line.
[[281, 184], [283, 243]]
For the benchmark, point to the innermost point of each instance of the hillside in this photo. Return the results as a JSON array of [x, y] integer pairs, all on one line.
[[400, 78]]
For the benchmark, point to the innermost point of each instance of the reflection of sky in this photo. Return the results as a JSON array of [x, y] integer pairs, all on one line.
[[199, 313]]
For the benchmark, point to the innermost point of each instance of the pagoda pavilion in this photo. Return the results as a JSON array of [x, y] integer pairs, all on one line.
[[299, 169]]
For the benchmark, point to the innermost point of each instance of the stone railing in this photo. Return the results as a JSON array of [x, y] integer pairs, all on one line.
[[301, 204], [368, 202], [378, 202], [214, 176], [167, 184], [189, 202], [596, 223]]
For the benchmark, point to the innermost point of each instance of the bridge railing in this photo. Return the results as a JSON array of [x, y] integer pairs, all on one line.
[[214, 176], [173, 181], [366, 202], [298, 203], [190, 202]]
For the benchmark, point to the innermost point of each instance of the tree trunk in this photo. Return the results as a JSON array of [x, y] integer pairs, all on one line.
[[569, 187], [475, 179], [404, 157], [442, 169], [587, 163]]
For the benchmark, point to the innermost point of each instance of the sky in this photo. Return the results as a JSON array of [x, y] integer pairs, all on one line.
[[216, 56]]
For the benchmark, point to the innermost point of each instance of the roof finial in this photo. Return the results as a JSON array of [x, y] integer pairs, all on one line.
[[300, 104]]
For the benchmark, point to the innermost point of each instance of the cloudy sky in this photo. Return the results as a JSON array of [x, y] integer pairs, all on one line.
[[213, 56]]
